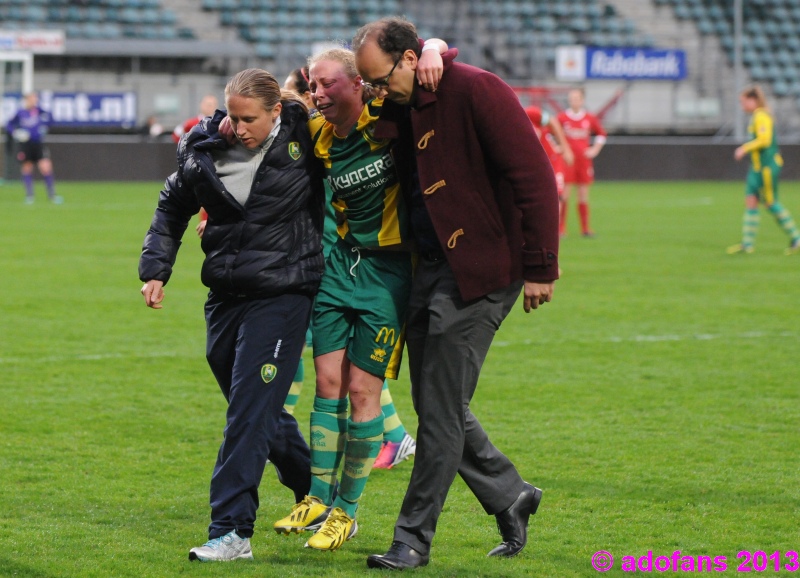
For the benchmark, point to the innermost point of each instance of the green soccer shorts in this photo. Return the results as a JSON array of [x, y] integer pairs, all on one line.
[[361, 307], [764, 183]]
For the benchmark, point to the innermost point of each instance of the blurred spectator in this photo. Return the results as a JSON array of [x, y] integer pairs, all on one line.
[[151, 127]]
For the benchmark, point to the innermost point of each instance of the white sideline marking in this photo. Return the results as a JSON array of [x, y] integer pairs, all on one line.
[[86, 357], [660, 338], [661, 203]]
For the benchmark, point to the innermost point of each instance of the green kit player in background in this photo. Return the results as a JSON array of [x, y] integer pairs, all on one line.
[[359, 311], [762, 178]]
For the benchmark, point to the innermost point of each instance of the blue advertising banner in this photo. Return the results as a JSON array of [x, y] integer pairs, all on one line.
[[635, 64], [108, 109]]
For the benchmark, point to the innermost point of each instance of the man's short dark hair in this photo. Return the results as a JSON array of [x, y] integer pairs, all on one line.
[[393, 35]]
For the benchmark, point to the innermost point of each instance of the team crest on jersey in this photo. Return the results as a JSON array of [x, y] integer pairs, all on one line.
[[294, 150], [268, 372]]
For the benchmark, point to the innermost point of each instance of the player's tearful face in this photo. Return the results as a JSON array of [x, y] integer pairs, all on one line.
[[335, 95], [250, 121]]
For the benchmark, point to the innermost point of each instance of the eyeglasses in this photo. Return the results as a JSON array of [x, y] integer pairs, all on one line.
[[381, 84]]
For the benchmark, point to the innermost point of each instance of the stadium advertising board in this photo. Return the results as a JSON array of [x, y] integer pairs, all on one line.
[[577, 63], [35, 41], [107, 109]]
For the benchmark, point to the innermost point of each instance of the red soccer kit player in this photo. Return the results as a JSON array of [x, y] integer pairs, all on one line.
[[208, 105], [579, 128], [546, 125]]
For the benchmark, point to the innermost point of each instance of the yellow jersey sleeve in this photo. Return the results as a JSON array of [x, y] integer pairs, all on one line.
[[762, 130], [315, 123]]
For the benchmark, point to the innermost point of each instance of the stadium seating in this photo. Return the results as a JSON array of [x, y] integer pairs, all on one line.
[[511, 36], [770, 42], [280, 29], [94, 19], [530, 28], [517, 38]]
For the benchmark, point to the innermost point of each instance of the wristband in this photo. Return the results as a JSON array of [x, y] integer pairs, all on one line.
[[431, 46]]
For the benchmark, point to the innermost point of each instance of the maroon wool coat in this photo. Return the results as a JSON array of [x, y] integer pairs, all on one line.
[[487, 183]]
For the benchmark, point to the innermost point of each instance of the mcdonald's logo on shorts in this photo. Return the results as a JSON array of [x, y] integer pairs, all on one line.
[[387, 334]]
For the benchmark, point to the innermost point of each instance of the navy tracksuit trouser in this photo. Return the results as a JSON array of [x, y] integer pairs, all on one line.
[[253, 348]]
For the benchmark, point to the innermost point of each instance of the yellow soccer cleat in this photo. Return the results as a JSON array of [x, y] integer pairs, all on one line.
[[338, 528], [739, 248], [307, 515]]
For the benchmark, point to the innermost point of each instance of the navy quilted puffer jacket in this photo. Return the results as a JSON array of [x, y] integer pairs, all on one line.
[[269, 246]]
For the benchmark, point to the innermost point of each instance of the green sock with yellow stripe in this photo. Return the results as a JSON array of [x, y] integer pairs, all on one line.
[[393, 430], [363, 445], [749, 227], [785, 220], [328, 436], [294, 391]]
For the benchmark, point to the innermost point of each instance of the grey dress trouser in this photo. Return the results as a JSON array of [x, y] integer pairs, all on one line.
[[447, 342]]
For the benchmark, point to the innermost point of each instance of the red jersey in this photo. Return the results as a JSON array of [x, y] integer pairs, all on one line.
[[579, 127], [182, 129], [539, 120]]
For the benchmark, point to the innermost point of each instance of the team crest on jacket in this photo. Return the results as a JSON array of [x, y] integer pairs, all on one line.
[[268, 372], [294, 150]]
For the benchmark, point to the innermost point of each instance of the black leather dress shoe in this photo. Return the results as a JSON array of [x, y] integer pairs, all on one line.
[[513, 522], [399, 557]]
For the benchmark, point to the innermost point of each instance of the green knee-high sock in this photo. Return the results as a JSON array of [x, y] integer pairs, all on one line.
[[328, 436], [749, 227], [785, 220], [363, 446], [294, 391], [393, 430]]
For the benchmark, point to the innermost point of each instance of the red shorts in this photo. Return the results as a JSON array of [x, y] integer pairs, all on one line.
[[581, 172]]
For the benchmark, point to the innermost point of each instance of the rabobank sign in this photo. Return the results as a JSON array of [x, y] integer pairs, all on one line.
[[635, 64]]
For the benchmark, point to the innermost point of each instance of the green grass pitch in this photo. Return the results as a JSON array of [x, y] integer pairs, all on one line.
[[655, 400]]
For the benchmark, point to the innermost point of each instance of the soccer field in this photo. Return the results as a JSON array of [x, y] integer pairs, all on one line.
[[655, 400]]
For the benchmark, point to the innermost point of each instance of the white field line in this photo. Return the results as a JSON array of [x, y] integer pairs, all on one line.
[[667, 203], [500, 343], [84, 357], [661, 338]]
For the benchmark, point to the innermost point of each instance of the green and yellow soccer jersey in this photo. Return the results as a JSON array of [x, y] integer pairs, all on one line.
[[763, 146], [360, 171]]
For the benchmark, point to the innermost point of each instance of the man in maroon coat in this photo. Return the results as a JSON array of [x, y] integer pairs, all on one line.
[[484, 211]]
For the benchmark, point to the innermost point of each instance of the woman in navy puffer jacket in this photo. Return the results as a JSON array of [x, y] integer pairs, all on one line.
[[264, 197]]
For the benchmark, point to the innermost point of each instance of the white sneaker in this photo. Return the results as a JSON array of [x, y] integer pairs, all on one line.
[[223, 549]]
